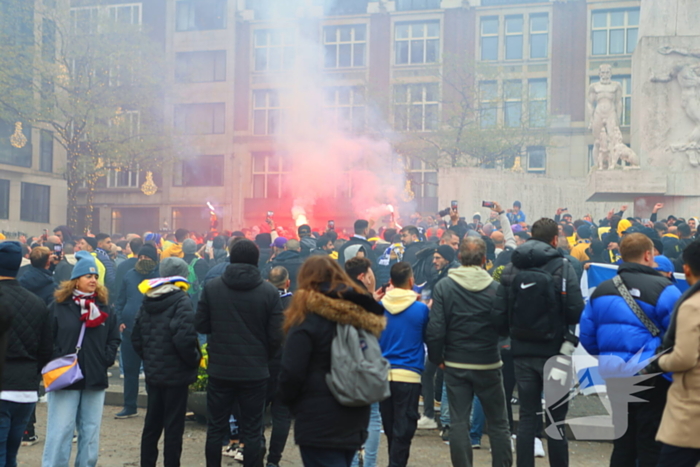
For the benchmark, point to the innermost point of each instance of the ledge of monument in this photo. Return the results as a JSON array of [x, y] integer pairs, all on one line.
[[621, 185]]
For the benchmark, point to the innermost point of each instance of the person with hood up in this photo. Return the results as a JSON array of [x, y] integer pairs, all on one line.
[[220, 253], [127, 306], [402, 345], [468, 349], [175, 249], [583, 234], [307, 241], [38, 278], [165, 339]]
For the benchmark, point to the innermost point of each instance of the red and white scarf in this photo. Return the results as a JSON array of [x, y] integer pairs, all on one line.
[[89, 311]]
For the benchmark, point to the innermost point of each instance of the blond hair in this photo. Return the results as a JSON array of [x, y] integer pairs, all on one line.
[[66, 288]]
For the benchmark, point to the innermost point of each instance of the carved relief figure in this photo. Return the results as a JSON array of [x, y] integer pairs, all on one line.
[[604, 105], [688, 77]]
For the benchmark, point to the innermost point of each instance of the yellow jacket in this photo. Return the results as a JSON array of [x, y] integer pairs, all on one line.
[[100, 269], [174, 249]]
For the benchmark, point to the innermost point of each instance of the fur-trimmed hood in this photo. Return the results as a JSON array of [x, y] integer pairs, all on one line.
[[342, 311]]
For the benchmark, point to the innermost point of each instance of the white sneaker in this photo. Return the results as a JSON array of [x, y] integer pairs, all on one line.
[[539, 449], [425, 423], [239, 456]]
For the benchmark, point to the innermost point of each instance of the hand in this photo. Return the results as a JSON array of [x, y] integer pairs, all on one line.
[[55, 259], [559, 211], [379, 294], [623, 208], [441, 366], [510, 211], [496, 207], [122, 327], [586, 266], [610, 214], [658, 207]]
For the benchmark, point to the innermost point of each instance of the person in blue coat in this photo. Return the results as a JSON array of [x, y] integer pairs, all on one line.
[[614, 333]]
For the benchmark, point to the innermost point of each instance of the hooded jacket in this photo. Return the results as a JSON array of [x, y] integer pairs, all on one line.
[[174, 249], [536, 254], [607, 317], [291, 261], [165, 339], [242, 316], [320, 420], [403, 337], [39, 282], [461, 331]]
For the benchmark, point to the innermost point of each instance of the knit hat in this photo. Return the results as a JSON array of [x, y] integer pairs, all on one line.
[[189, 247], [86, 265], [173, 266], [446, 252], [279, 242], [10, 258], [149, 251], [92, 241], [304, 230], [584, 232], [245, 251]]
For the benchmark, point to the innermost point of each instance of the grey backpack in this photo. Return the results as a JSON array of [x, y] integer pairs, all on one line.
[[359, 373]]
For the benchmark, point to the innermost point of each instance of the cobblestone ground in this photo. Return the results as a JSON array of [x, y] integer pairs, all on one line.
[[120, 440]]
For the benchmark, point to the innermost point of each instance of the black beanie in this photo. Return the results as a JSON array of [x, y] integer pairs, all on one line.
[[149, 251], [244, 251]]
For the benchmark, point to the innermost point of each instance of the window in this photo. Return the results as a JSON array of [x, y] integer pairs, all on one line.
[[46, 151], [200, 171], [270, 172], [345, 107], [614, 31], [4, 199], [488, 95], [125, 125], [424, 180], [200, 15], [489, 38], [21, 157], [513, 108], [514, 37], [539, 36], [274, 50], [405, 5], [537, 95], [200, 67], [267, 112], [125, 14], [626, 82], [83, 20], [417, 42], [121, 178], [345, 46], [416, 107], [200, 119], [48, 40], [35, 203], [536, 159]]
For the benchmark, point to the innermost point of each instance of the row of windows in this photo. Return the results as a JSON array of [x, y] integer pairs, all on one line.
[[510, 101], [34, 202]]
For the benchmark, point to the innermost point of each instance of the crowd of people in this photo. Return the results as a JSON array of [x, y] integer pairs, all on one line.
[[463, 312]]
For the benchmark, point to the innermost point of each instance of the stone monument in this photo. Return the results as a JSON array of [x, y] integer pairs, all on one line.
[[665, 125]]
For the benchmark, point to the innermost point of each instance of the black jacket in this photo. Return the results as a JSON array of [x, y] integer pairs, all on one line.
[[64, 269], [461, 327], [99, 344], [291, 261], [29, 339], [242, 316], [535, 254], [40, 283], [411, 251], [320, 421], [370, 254], [165, 339]]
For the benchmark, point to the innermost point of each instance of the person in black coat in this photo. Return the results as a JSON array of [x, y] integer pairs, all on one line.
[[38, 278], [242, 317], [290, 259], [327, 433], [360, 238], [165, 339]]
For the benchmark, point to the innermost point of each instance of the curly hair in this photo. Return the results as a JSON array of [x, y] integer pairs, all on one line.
[[65, 291]]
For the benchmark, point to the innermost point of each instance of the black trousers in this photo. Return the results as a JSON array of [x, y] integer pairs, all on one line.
[[638, 447], [166, 412], [508, 371], [316, 457], [400, 419], [221, 395], [672, 456], [281, 423]]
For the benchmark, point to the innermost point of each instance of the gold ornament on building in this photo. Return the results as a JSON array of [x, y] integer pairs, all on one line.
[[408, 193], [149, 187], [517, 167], [18, 139]]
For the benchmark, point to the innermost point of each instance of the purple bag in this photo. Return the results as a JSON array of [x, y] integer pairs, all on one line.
[[63, 371]]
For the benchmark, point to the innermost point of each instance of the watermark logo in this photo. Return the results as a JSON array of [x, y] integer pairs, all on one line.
[[614, 381]]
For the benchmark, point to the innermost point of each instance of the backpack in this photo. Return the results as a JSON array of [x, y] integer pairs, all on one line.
[[535, 311], [195, 287], [359, 373]]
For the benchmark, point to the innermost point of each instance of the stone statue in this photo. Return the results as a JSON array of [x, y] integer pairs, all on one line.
[[604, 108], [688, 77], [619, 151]]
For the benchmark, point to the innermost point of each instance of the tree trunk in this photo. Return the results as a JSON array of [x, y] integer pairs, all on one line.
[[90, 185], [73, 179]]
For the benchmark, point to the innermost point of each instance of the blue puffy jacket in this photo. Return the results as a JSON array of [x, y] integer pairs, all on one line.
[[609, 327]]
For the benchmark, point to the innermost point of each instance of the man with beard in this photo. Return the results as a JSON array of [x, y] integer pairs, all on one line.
[[128, 304]]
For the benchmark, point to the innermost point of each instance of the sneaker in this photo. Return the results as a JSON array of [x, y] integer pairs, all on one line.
[[28, 440], [445, 433], [109, 374], [126, 414], [121, 376], [75, 438], [239, 456], [230, 450], [425, 423], [539, 449], [142, 376], [476, 444]]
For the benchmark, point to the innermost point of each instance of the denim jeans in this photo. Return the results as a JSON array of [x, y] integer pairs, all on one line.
[[374, 433], [68, 409], [132, 366], [477, 421], [400, 420], [444, 408], [13, 419]]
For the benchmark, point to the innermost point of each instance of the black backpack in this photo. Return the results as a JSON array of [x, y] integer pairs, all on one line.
[[535, 310]]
